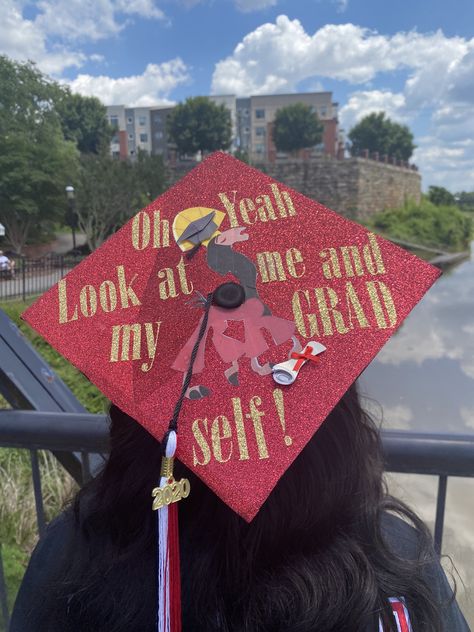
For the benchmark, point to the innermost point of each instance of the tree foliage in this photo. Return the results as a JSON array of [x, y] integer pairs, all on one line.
[[199, 124], [296, 127], [109, 192], [375, 132], [150, 176], [445, 227], [465, 201], [35, 160], [84, 121], [439, 196]]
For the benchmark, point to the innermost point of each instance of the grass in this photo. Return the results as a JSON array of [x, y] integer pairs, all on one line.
[[18, 527], [86, 393]]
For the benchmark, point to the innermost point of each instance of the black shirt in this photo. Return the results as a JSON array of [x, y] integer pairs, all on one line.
[[50, 555]]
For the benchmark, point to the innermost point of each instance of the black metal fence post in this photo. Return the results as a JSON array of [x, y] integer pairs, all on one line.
[[3, 593], [440, 510], [34, 276], [36, 475], [23, 278]]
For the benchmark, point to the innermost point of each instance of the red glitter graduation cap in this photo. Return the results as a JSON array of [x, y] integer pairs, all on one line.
[[127, 317], [257, 280]]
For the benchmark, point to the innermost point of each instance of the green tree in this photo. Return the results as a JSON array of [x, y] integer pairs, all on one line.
[[150, 176], [242, 155], [199, 124], [375, 132], [296, 127], [439, 196], [109, 192], [106, 196], [35, 159], [84, 121], [465, 201]]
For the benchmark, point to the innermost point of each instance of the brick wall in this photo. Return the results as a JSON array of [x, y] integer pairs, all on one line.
[[355, 187]]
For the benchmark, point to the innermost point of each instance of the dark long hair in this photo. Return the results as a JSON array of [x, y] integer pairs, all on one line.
[[314, 559]]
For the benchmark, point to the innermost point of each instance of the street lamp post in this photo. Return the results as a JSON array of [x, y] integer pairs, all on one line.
[[71, 217]]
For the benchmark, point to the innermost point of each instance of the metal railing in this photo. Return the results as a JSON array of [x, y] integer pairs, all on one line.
[[440, 455], [34, 276]]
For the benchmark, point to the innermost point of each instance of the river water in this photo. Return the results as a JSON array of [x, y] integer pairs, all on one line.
[[423, 380]]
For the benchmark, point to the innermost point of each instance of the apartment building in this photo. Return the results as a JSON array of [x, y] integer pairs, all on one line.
[[252, 123], [260, 114], [132, 130]]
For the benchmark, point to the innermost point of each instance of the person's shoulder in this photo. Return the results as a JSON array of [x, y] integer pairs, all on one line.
[[400, 536], [412, 545], [50, 557], [60, 528], [53, 545]]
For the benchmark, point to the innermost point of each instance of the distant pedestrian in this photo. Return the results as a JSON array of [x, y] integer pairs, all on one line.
[[7, 266]]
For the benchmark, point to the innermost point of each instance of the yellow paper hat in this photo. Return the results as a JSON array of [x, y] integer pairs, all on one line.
[[197, 225]]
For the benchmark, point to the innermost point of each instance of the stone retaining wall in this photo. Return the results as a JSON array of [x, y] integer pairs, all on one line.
[[355, 187]]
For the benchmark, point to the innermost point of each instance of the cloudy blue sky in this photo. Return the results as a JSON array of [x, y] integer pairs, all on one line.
[[412, 58]]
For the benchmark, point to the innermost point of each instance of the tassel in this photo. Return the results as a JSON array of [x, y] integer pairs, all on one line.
[[175, 574], [165, 496], [169, 580]]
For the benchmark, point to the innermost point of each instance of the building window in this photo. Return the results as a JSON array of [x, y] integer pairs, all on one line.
[[260, 113], [130, 137], [259, 148], [143, 138], [142, 121], [247, 130], [323, 111], [129, 120], [157, 118], [158, 135], [114, 121], [116, 154], [259, 131]]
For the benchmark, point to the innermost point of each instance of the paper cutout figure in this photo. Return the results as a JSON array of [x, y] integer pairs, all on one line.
[[253, 313]]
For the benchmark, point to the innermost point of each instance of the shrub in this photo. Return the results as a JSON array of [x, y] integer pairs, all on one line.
[[444, 227]]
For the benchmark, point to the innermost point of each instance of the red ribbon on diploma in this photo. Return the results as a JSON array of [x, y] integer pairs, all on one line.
[[306, 354]]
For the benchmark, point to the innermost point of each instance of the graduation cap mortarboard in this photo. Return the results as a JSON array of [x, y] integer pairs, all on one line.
[[138, 318]]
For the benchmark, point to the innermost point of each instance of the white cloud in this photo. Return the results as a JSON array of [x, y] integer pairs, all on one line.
[[143, 8], [246, 6], [286, 52], [24, 39], [467, 415], [152, 87], [364, 102], [439, 83], [90, 20], [399, 416], [52, 37], [445, 162]]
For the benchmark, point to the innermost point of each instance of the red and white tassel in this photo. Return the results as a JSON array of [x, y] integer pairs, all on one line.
[[169, 581]]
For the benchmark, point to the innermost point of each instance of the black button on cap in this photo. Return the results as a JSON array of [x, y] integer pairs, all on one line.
[[229, 295]]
